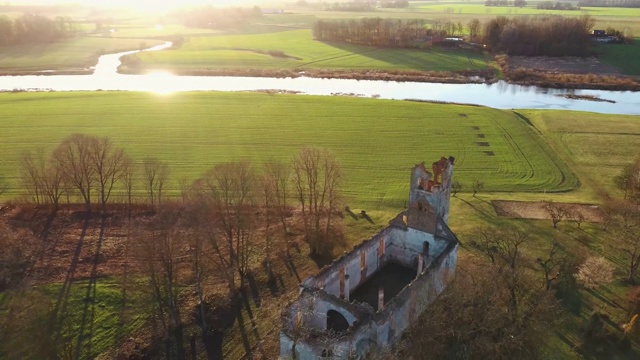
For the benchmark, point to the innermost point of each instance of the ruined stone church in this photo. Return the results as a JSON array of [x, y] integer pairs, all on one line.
[[365, 299]]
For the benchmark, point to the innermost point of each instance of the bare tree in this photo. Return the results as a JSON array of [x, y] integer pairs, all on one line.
[[456, 187], [128, 180], [576, 216], [629, 180], [556, 212], [476, 186], [503, 247], [73, 157], [268, 203], [595, 272], [109, 164], [549, 265], [625, 233], [155, 174], [474, 29], [468, 321], [43, 179], [158, 254], [316, 176], [32, 168], [228, 196], [277, 176]]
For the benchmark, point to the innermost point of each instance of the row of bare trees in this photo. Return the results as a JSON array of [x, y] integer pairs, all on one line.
[[88, 168], [233, 219]]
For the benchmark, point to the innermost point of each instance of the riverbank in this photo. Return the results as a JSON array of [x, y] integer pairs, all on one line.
[[46, 72], [447, 77], [522, 77], [565, 73]]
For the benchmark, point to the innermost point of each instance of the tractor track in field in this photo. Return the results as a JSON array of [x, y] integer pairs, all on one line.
[[337, 57]]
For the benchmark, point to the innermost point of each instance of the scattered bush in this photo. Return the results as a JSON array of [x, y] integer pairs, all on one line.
[[595, 272]]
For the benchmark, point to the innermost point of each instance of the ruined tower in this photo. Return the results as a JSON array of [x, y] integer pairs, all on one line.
[[365, 299]]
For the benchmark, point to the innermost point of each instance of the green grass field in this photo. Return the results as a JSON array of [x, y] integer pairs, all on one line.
[[235, 51], [94, 318], [595, 145], [77, 53], [377, 141], [620, 55]]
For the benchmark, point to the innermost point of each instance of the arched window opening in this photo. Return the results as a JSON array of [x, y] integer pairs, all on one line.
[[336, 321]]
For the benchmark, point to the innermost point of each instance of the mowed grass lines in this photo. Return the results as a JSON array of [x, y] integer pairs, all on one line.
[[598, 145], [251, 51], [377, 141], [77, 53]]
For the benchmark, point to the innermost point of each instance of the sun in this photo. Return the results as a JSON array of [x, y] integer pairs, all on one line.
[[161, 5]]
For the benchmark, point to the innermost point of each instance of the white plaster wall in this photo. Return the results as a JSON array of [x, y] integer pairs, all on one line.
[[315, 313], [407, 244], [351, 263]]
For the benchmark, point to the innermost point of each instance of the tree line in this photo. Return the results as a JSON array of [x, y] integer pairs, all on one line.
[[233, 220], [394, 4], [385, 32], [558, 5], [610, 3], [539, 35], [214, 18], [34, 29], [516, 3], [357, 5], [530, 36], [91, 169]]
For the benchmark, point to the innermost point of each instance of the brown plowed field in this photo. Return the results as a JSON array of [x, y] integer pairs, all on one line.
[[536, 210]]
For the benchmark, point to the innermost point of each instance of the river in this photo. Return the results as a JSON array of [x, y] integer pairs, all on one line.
[[501, 95]]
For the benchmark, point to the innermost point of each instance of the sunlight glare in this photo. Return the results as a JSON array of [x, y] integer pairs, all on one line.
[[159, 27], [159, 82]]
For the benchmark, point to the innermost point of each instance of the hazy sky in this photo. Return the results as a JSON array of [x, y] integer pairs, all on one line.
[[137, 4]]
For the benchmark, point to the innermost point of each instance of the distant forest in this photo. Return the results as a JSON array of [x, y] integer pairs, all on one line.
[[382, 32], [216, 18], [34, 29], [516, 3], [357, 5], [540, 35], [610, 3]]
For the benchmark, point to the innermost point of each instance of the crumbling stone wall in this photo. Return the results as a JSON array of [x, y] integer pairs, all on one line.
[[418, 238]]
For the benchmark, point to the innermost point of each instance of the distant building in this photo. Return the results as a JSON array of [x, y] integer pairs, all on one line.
[[365, 299]]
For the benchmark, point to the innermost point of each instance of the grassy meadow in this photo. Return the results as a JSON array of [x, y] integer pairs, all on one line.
[[252, 51], [595, 145], [377, 141], [247, 46], [620, 55]]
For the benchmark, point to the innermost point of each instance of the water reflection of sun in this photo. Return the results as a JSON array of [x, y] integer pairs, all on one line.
[[159, 82]]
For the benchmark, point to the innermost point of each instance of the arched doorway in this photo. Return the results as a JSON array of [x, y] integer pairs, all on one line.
[[336, 321]]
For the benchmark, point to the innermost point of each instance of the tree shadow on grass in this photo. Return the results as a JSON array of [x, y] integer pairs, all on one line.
[[88, 313], [62, 300]]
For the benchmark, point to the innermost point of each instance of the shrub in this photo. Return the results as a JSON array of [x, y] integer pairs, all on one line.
[[595, 272]]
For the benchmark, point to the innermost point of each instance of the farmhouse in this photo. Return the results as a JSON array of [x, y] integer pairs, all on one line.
[[365, 299]]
